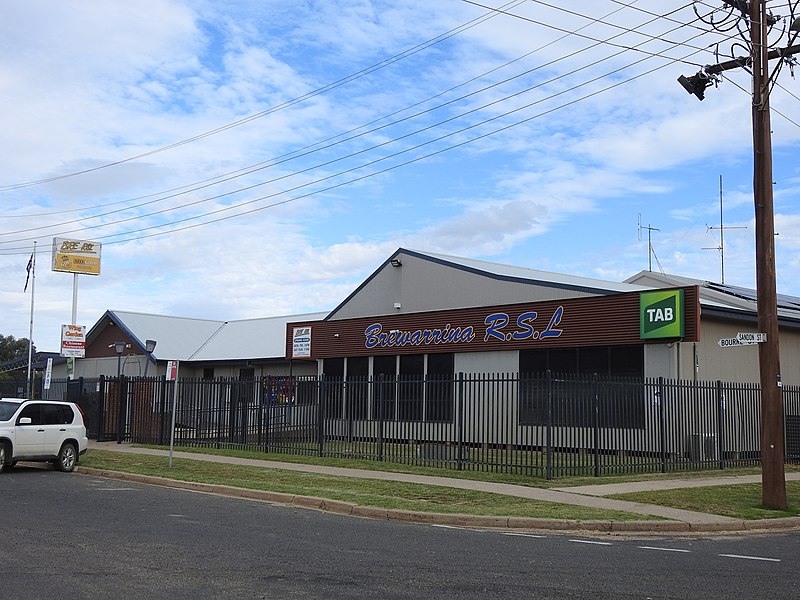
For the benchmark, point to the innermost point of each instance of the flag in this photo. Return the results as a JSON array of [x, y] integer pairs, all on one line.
[[28, 269]]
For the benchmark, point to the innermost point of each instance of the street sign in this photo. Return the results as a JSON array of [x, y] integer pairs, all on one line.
[[172, 370], [48, 374], [731, 342], [751, 338]]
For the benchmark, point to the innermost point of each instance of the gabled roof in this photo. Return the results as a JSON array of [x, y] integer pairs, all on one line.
[[187, 339], [526, 275], [560, 284]]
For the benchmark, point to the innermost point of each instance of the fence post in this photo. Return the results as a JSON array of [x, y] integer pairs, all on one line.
[[121, 409], [460, 438], [596, 425], [662, 434], [720, 423], [162, 393], [321, 414], [549, 436], [259, 391], [380, 417], [101, 405], [222, 400], [272, 397]]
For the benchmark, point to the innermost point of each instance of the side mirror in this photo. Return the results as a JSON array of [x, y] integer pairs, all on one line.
[[24, 420]]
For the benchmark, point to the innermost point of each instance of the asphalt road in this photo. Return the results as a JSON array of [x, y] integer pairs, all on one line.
[[76, 536]]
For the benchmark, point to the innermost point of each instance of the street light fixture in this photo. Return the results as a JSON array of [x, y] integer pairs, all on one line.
[[119, 348], [149, 346]]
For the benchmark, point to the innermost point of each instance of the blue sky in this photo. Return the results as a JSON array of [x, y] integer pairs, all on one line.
[[242, 159]]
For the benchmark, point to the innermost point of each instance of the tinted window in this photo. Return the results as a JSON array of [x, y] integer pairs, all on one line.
[[34, 411], [57, 414], [410, 387], [439, 396], [357, 387]]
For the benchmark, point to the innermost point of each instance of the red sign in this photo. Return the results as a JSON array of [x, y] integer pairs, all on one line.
[[172, 370]]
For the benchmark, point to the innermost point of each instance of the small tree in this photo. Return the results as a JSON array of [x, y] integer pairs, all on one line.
[[12, 349]]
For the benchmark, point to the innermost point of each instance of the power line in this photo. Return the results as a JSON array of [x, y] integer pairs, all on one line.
[[326, 88], [319, 145], [372, 174], [327, 163], [590, 38]]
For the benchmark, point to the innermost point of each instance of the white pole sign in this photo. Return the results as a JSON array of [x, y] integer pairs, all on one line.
[[751, 338], [73, 341]]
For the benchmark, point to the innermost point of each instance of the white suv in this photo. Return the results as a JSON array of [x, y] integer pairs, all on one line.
[[41, 431]]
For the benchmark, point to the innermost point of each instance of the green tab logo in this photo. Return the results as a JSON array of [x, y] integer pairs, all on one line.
[[661, 314]]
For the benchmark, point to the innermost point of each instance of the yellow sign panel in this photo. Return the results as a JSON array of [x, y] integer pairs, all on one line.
[[76, 256]]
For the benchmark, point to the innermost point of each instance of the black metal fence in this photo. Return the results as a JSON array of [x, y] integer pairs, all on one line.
[[545, 425]]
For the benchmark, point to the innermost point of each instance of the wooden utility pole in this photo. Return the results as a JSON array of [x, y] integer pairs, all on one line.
[[773, 483]]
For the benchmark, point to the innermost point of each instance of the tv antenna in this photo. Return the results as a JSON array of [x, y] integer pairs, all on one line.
[[721, 229], [650, 251]]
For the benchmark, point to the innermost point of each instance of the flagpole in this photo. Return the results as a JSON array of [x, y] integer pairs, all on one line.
[[30, 334]]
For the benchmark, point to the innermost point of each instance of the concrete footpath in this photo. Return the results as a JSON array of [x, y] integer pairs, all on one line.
[[592, 496]]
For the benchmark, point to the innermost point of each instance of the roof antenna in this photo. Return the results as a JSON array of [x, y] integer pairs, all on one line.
[[649, 241], [722, 229]]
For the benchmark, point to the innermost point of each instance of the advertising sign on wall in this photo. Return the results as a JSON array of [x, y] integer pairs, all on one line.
[[611, 320], [661, 314], [301, 342], [76, 256]]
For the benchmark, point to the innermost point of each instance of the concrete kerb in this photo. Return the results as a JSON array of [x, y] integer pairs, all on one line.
[[679, 521]]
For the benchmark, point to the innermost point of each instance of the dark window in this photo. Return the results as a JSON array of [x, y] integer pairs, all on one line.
[[627, 361], [384, 374], [593, 360], [306, 390], [568, 395], [357, 387], [439, 386], [57, 414], [208, 373], [563, 360], [411, 387], [332, 378], [533, 361], [34, 411]]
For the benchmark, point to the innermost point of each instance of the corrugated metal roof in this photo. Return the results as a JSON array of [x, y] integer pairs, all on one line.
[[534, 276], [187, 339], [251, 339]]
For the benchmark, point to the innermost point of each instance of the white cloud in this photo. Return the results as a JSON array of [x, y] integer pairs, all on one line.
[[561, 181]]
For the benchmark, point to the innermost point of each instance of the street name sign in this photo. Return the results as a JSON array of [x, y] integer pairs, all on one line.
[[751, 337], [733, 342]]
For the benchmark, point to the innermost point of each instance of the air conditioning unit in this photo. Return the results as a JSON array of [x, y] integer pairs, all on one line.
[[702, 447]]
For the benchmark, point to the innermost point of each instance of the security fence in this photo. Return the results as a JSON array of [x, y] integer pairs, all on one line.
[[544, 425]]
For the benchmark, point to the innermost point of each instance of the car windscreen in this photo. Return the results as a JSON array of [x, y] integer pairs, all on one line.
[[7, 409]]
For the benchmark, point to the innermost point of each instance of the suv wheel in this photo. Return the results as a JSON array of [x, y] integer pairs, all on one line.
[[67, 457], [2, 457]]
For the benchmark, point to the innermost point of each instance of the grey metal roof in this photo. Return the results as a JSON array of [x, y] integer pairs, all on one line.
[[251, 338], [187, 339], [533, 276]]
